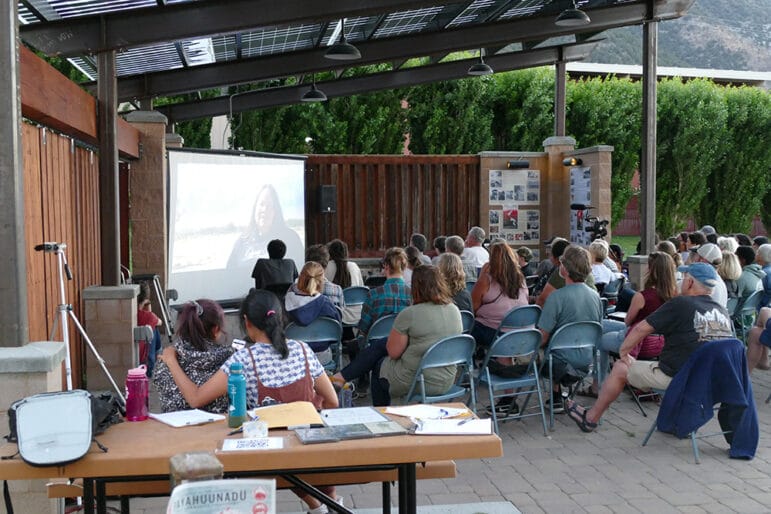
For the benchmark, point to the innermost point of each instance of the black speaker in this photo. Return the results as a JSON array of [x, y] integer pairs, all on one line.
[[328, 198]]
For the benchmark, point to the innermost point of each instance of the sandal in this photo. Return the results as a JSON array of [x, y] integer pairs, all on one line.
[[580, 417]]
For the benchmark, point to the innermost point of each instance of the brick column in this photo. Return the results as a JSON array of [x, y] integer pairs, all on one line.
[[147, 184], [555, 190], [598, 158], [26, 370], [110, 318]]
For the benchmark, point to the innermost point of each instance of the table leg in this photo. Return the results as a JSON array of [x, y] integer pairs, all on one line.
[[407, 489], [101, 497], [88, 496], [386, 497]]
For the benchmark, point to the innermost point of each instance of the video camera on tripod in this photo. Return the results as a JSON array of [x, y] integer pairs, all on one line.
[[595, 226]]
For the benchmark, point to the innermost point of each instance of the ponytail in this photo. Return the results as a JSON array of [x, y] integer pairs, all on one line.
[[197, 321], [263, 310]]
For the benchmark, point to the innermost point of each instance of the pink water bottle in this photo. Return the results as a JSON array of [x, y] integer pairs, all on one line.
[[137, 394]]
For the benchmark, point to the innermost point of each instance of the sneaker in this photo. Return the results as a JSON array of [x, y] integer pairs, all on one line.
[[556, 398], [504, 407]]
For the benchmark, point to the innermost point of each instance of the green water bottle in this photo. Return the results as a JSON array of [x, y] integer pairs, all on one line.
[[236, 395]]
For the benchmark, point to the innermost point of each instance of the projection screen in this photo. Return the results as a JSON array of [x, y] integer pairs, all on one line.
[[224, 207]]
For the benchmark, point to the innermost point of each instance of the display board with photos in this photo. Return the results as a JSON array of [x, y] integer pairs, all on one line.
[[515, 214], [581, 194]]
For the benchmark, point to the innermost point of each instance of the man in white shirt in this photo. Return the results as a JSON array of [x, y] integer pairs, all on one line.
[[474, 251]]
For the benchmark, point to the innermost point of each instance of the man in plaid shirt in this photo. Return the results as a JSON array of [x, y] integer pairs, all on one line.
[[390, 298]]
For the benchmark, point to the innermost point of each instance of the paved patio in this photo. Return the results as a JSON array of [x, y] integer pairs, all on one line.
[[602, 472]]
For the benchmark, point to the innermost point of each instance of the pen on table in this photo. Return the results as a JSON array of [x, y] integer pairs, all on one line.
[[464, 421], [444, 413], [237, 431]]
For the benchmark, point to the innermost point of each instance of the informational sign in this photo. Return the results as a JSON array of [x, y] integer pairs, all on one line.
[[514, 205], [580, 194]]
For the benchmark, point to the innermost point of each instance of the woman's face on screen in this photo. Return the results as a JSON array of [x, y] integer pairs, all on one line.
[[265, 211]]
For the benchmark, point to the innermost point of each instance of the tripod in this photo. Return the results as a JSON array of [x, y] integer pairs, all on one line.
[[65, 310]]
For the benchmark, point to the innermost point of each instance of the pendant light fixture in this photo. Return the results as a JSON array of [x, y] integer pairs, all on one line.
[[314, 94], [343, 50], [572, 17], [481, 67]]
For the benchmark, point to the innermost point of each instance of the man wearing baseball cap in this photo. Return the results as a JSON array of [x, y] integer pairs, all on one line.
[[685, 321], [711, 254]]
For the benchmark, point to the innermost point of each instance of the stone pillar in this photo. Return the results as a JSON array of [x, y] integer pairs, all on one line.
[[110, 318], [147, 184], [598, 158], [14, 320], [555, 190], [26, 370], [638, 265]]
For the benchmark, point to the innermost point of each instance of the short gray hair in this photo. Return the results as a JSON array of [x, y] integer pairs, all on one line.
[[477, 233], [764, 252], [454, 244]]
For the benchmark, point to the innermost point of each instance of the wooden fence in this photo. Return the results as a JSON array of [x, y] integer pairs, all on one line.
[[383, 199], [61, 204]]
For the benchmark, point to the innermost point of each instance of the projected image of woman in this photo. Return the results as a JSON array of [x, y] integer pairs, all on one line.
[[266, 223]]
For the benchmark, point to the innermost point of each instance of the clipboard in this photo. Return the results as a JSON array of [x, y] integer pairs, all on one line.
[[291, 414]]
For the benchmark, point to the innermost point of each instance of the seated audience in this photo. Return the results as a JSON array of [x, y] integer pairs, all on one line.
[[751, 278], [669, 248], [420, 242], [743, 239], [197, 356], [616, 254], [575, 301], [339, 269], [659, 287], [474, 251], [319, 253], [454, 244], [526, 263], [555, 280], [759, 241], [500, 288], [146, 317], [390, 298], [394, 363], [277, 370], [413, 261], [727, 244], [729, 270], [709, 253], [764, 259], [685, 321], [452, 270], [304, 301], [601, 273], [275, 269], [759, 340], [709, 233], [439, 248]]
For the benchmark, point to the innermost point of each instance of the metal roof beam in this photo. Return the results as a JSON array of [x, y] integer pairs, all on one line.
[[383, 50], [139, 27], [375, 82]]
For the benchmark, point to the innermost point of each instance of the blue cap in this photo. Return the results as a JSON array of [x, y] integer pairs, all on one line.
[[702, 272], [765, 335]]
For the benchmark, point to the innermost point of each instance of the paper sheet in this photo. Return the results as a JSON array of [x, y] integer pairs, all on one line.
[[184, 418], [421, 411], [466, 426], [288, 414], [257, 443], [351, 416]]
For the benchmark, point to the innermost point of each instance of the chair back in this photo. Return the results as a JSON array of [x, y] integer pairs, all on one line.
[[455, 350], [612, 288], [470, 285], [321, 334], [521, 343], [355, 295], [750, 305], [524, 316], [576, 335], [373, 281], [467, 320], [380, 328]]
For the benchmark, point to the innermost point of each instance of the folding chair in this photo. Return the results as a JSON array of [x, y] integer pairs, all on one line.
[[355, 296], [716, 373], [744, 316], [470, 285], [524, 316], [380, 329], [320, 334], [467, 319], [453, 350], [574, 345], [522, 344], [610, 291]]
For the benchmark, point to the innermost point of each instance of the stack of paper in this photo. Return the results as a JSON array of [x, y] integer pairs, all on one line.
[[184, 418], [467, 426]]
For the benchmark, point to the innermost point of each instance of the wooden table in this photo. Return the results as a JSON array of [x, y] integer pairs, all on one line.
[[141, 451]]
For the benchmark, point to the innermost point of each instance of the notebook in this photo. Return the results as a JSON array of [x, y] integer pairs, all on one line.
[[185, 418]]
